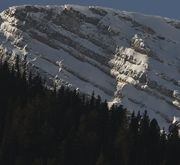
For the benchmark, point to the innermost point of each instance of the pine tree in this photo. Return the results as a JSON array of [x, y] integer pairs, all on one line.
[[154, 142]]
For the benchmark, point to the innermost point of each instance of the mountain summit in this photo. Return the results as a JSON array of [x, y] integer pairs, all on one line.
[[125, 57]]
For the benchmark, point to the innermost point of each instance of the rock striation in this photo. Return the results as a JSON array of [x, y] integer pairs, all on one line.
[[127, 58]]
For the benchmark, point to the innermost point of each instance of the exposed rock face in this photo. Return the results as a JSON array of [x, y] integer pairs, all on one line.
[[125, 57]]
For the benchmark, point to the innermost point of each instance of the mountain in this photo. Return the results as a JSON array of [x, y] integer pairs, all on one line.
[[124, 57]]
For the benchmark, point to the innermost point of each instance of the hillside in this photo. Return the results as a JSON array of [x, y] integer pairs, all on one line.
[[126, 58]]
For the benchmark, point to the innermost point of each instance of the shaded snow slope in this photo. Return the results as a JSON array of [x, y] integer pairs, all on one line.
[[127, 58]]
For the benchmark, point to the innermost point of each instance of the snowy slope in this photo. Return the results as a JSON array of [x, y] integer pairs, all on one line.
[[127, 58]]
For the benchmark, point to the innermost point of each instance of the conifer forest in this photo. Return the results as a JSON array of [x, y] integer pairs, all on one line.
[[39, 126]]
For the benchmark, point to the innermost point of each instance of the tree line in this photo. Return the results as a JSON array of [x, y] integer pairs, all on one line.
[[39, 126]]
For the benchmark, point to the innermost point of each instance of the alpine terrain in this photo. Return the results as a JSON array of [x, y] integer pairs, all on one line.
[[127, 58]]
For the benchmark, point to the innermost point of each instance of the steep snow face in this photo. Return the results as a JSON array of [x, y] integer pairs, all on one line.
[[127, 58]]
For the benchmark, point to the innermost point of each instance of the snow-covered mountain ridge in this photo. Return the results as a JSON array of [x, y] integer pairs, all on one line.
[[128, 58]]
